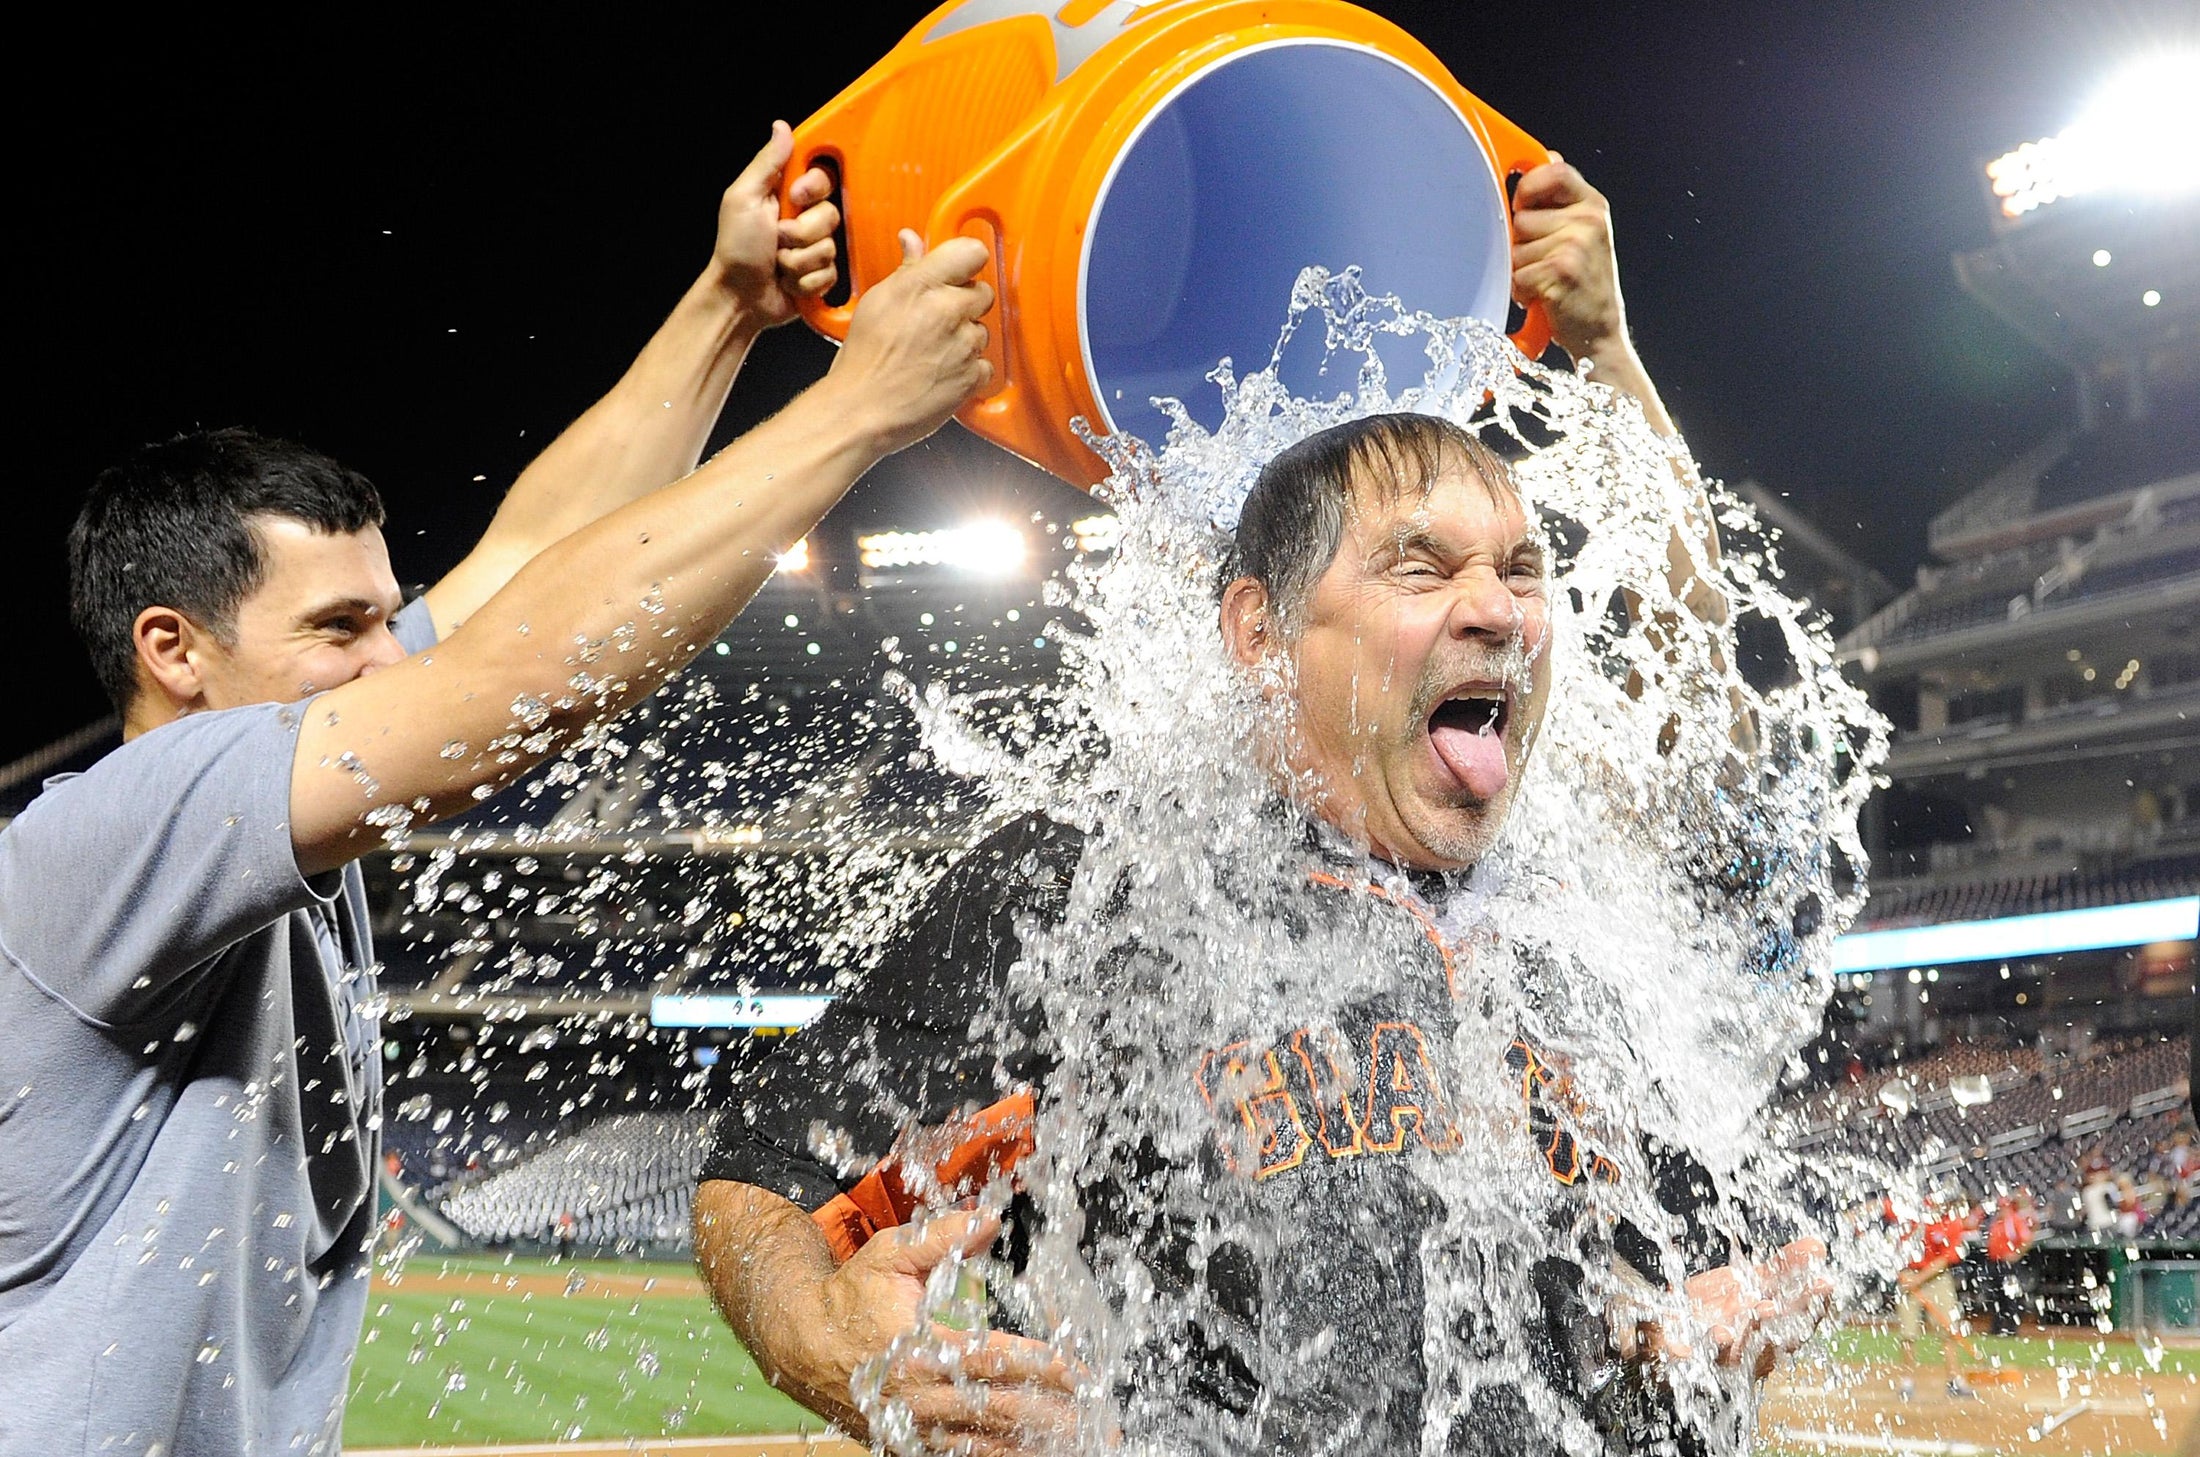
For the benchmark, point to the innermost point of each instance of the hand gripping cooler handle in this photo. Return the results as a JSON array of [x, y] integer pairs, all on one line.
[[954, 218], [1512, 152], [982, 223], [831, 320], [999, 414]]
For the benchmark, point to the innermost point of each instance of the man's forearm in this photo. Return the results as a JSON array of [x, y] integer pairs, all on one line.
[[1614, 362], [608, 613], [649, 429], [765, 1262], [593, 623]]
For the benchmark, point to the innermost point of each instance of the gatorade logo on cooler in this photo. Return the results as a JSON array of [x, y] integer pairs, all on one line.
[[1151, 179]]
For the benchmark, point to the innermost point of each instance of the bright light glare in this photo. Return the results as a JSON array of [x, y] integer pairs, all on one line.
[[983, 546], [2151, 297], [2140, 134], [2102, 258], [2045, 934], [726, 1009], [795, 558]]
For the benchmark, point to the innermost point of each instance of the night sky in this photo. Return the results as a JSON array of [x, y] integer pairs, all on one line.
[[424, 247]]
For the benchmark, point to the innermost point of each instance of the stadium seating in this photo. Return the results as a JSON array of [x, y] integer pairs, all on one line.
[[2118, 456], [625, 1180], [2118, 1101], [2002, 587], [2155, 878]]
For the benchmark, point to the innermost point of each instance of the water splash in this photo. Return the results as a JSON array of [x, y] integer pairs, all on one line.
[[1651, 930]]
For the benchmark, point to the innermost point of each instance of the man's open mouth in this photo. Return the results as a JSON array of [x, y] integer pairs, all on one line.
[[1467, 731], [1475, 711]]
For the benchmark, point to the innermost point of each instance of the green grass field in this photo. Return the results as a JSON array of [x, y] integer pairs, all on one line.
[[551, 1361], [1852, 1345], [440, 1367]]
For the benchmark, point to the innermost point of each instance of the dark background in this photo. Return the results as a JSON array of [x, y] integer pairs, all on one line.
[[424, 245]]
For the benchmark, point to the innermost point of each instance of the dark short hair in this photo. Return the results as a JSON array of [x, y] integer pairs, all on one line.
[[174, 526], [1293, 519]]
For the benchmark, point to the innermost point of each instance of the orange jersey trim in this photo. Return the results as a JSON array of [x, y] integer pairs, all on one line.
[[962, 1156], [1412, 908]]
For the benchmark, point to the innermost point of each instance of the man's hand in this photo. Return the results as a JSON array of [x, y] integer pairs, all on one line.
[[1015, 1394], [915, 350], [1746, 1312], [767, 263], [1563, 258], [650, 429]]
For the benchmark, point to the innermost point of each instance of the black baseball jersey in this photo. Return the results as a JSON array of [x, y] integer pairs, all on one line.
[[1310, 1342]]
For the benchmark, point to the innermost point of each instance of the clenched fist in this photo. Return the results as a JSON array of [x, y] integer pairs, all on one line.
[[915, 351]]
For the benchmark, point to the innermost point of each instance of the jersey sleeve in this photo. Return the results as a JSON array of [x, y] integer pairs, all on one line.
[[413, 627], [926, 1039], [120, 887]]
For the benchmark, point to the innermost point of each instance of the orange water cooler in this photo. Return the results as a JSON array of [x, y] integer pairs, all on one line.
[[1151, 178]]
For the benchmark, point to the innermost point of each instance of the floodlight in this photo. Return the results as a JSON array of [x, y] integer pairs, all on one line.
[[2140, 134], [982, 546], [795, 558]]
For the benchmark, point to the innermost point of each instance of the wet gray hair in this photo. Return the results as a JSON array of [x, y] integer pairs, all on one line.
[[1293, 519]]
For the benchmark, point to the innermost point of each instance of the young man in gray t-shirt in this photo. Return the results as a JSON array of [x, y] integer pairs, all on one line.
[[189, 1080]]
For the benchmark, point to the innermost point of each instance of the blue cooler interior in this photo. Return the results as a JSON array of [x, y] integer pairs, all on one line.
[[1298, 154]]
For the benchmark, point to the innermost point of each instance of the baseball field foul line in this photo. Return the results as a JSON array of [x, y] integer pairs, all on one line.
[[2061, 1417], [1864, 1442], [818, 1443]]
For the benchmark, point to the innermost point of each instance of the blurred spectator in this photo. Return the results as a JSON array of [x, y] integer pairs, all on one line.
[[2095, 1164], [2014, 1229], [2099, 1202], [2177, 1165], [2131, 1213], [1928, 1288]]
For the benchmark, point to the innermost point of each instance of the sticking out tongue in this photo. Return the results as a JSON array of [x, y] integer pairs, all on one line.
[[1469, 741]]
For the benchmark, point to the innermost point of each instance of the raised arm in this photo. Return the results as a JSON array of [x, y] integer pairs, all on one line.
[[650, 429], [1563, 258], [604, 616]]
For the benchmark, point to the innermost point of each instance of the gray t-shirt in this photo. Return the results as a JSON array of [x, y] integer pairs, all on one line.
[[190, 1093]]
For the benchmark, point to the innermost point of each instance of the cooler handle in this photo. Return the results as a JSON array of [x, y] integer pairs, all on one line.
[[1010, 413], [984, 224], [831, 320], [1512, 152]]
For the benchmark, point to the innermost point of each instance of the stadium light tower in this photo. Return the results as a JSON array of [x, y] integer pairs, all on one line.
[[2094, 258], [2140, 134]]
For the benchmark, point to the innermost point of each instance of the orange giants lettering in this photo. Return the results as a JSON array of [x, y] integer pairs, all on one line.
[[1403, 1090], [1257, 1090]]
